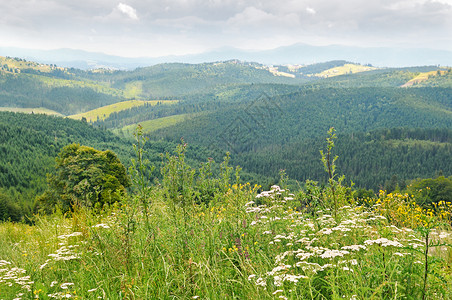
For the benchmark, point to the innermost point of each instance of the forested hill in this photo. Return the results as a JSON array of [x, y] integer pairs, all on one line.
[[370, 159], [267, 121], [25, 84], [69, 91], [269, 134], [29, 144]]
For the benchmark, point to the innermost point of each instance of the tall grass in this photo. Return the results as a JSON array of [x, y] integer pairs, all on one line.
[[169, 242]]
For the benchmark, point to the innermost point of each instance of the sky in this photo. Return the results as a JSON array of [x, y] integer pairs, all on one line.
[[151, 28]]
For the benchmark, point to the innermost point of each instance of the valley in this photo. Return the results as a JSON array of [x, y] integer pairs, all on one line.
[[206, 180]]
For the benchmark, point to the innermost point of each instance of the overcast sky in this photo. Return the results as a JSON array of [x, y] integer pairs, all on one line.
[[163, 27]]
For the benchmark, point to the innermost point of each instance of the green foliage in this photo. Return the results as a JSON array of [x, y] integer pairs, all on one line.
[[85, 177], [431, 190], [369, 159], [249, 245], [329, 164], [8, 209], [30, 143], [178, 177]]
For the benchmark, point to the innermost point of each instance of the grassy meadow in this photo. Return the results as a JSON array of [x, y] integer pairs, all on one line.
[[103, 112], [195, 235], [345, 69], [153, 125], [37, 110]]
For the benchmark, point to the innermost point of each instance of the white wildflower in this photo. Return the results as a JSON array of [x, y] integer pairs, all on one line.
[[304, 255], [444, 235], [294, 278], [383, 242], [278, 280], [4, 263], [260, 281], [354, 247], [414, 245], [334, 253], [101, 225], [65, 236], [66, 285], [325, 231]]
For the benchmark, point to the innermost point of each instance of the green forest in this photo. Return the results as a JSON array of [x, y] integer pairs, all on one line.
[[264, 183], [387, 134]]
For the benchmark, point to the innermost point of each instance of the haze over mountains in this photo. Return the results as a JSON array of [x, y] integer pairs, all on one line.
[[293, 54]]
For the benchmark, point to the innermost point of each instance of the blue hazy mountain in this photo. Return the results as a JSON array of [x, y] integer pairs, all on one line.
[[294, 54]]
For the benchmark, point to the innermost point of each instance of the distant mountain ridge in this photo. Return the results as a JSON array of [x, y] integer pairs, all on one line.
[[293, 54]]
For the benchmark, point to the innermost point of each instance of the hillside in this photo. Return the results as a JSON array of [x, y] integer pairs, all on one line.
[[104, 112], [37, 110], [262, 127], [27, 84], [369, 159], [29, 144], [246, 108]]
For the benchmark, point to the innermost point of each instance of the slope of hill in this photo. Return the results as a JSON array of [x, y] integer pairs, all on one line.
[[345, 69], [239, 106], [105, 111], [29, 85], [369, 159], [268, 123], [310, 112], [37, 110], [150, 126], [29, 144]]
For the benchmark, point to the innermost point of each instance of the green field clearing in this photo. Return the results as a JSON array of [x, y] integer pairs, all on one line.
[[18, 65], [345, 69], [133, 90], [36, 110], [423, 77], [103, 112], [153, 125]]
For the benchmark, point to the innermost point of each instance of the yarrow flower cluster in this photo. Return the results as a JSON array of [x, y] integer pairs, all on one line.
[[302, 245], [14, 276]]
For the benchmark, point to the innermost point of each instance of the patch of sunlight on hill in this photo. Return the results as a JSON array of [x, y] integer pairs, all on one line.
[[424, 77], [153, 125], [103, 112], [133, 90], [36, 110], [16, 65], [99, 87], [345, 69]]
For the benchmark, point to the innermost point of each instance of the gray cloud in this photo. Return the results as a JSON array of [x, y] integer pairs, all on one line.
[[159, 27]]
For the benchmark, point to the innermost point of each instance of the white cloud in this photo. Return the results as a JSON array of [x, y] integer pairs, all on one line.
[[128, 11], [189, 25], [251, 15], [310, 11]]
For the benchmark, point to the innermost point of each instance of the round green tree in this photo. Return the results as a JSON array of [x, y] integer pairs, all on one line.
[[85, 176]]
